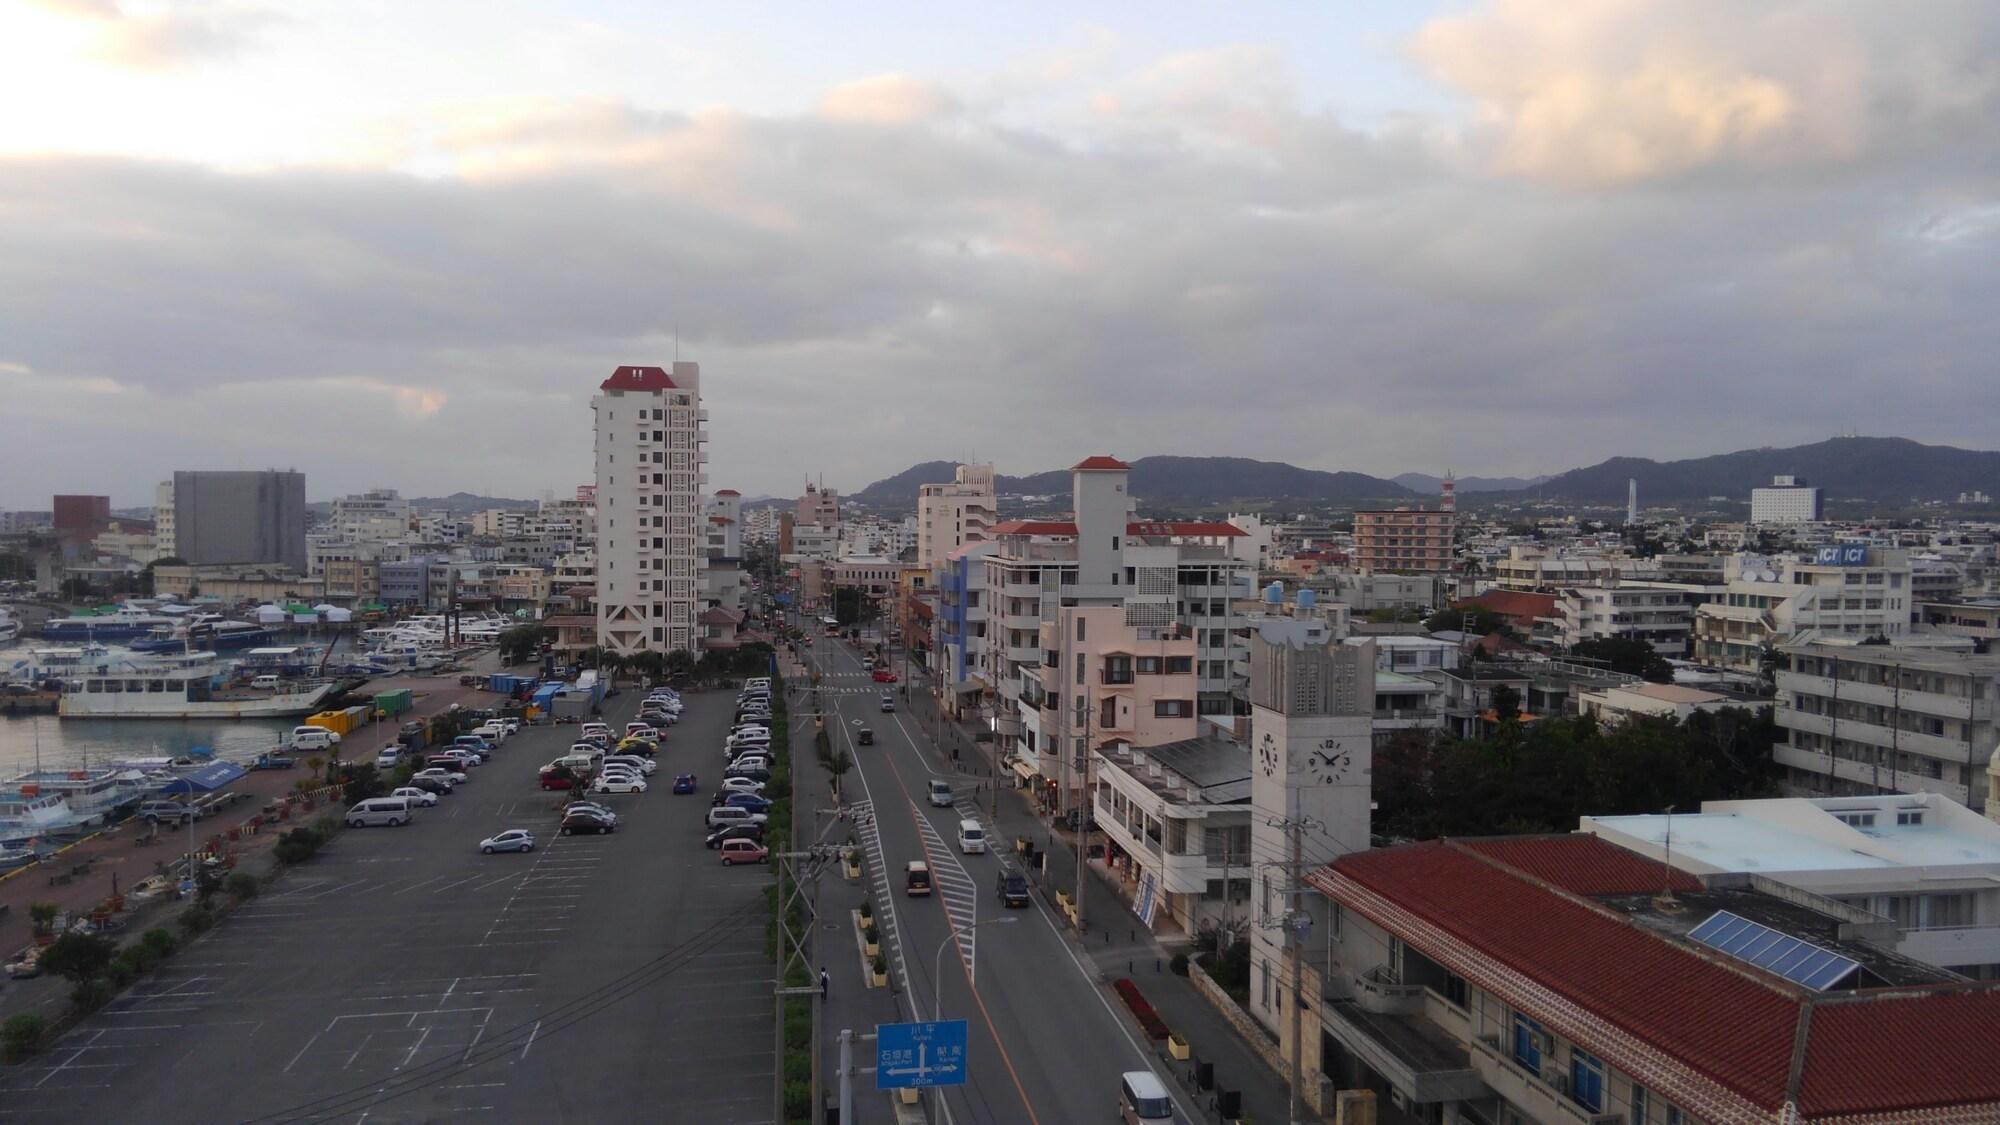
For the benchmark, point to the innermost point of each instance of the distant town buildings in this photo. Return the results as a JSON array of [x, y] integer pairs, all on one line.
[[239, 518], [650, 437], [1404, 541]]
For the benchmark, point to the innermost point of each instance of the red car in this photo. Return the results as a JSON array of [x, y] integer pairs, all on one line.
[[884, 676], [743, 851], [557, 780]]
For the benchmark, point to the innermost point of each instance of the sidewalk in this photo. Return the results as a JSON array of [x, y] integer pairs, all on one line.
[[1116, 942]]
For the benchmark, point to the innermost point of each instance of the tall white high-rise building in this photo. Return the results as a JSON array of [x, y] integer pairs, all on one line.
[[165, 542], [951, 515], [651, 547]]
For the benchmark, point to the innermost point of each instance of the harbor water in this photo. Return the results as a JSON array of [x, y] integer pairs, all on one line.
[[75, 743]]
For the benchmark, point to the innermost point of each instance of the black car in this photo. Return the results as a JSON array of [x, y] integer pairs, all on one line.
[[753, 832], [580, 820], [430, 785]]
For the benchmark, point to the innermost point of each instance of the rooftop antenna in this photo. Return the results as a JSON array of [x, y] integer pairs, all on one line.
[[1667, 901]]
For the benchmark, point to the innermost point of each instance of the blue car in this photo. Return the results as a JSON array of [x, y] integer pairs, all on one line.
[[684, 783], [749, 801]]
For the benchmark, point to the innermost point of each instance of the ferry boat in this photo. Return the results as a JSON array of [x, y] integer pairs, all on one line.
[[215, 635], [92, 796], [190, 693], [108, 624]]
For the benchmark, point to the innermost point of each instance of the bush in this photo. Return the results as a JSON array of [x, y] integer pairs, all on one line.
[[90, 995], [125, 968], [79, 957], [159, 942], [881, 965], [23, 1033], [242, 884], [798, 1101], [1179, 965], [197, 919]]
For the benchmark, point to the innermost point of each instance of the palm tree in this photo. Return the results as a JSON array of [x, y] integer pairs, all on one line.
[[315, 764]]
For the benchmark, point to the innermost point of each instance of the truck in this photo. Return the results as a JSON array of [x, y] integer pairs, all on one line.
[[274, 762]]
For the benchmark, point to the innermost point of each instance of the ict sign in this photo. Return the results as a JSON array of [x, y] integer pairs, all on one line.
[[1845, 554], [912, 1055]]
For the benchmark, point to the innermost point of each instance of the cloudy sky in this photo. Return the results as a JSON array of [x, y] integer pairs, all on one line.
[[400, 243]]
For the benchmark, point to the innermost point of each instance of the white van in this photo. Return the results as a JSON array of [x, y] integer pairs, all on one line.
[[313, 738], [940, 793], [971, 837], [265, 683], [1143, 1097], [390, 811]]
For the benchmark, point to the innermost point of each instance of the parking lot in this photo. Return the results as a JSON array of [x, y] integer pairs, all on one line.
[[402, 976]]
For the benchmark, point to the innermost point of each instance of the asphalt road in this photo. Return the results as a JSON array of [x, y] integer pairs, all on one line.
[[1046, 1045], [402, 976]]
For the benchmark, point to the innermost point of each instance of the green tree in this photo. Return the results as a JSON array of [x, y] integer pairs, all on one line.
[[80, 958], [1628, 655], [1506, 703], [1474, 619]]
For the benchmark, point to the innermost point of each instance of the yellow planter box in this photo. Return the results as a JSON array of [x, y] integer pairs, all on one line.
[[853, 871], [1062, 901], [881, 979], [872, 948], [1177, 1047], [907, 1095]]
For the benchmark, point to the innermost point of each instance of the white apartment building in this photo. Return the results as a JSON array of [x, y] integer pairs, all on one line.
[[1788, 500], [956, 513], [1925, 862], [1529, 569], [1161, 572], [379, 515], [1869, 719], [725, 525], [1850, 592], [1616, 702], [1176, 818], [650, 438], [163, 519], [1661, 615], [812, 541]]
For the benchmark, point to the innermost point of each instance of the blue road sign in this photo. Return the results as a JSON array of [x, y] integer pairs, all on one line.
[[919, 1054]]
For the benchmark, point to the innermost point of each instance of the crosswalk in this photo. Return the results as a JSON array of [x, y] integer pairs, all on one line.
[[954, 885]]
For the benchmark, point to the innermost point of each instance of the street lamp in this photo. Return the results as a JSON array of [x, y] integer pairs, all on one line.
[[937, 974]]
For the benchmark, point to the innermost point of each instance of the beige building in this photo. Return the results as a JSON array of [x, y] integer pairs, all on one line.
[[1849, 593], [1403, 541], [951, 515], [1648, 701], [236, 584], [650, 436]]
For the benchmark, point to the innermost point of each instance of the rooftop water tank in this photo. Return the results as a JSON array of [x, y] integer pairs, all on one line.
[[1274, 594], [1306, 599]]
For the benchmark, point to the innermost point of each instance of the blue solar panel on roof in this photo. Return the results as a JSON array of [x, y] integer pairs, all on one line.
[[1800, 962]]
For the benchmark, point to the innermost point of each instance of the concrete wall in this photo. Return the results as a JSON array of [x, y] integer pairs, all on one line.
[[241, 517]]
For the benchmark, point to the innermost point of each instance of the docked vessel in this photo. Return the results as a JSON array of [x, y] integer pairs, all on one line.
[[119, 623], [212, 634], [191, 693], [28, 814], [10, 629]]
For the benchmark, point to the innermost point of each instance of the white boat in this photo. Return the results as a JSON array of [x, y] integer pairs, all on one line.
[[10, 629], [90, 795], [187, 694], [28, 813]]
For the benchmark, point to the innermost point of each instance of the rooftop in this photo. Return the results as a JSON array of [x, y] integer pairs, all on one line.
[[1792, 834], [1100, 464], [638, 379]]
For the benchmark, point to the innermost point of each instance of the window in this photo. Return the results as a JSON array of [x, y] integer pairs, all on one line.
[[1173, 709], [1527, 1043], [1179, 665], [1079, 628], [1638, 1114], [1675, 1116], [1149, 665], [1909, 818], [1454, 988], [1586, 1080]]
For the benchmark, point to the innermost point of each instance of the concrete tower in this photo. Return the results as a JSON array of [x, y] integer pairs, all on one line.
[[1448, 493], [1632, 500], [1312, 699], [1100, 493]]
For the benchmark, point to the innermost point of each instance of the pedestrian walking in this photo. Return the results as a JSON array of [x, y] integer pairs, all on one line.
[[822, 982]]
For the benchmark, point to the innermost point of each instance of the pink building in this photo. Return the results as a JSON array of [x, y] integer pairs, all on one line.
[[1103, 682]]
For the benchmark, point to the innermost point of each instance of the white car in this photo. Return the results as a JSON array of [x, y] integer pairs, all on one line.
[[389, 757], [743, 785], [661, 718], [513, 725], [590, 730], [621, 773], [419, 798], [643, 765], [618, 783], [440, 773], [495, 730], [512, 840]]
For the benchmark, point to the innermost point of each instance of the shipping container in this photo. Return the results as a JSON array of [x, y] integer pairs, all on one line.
[[393, 703]]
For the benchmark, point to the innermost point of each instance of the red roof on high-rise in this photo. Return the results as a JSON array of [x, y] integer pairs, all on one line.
[[1516, 918], [727, 492], [638, 379], [1099, 464], [1149, 528]]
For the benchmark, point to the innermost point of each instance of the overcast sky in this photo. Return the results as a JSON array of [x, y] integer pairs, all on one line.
[[400, 243]]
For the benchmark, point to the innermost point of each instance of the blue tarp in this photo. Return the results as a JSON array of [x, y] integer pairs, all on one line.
[[546, 694], [204, 779]]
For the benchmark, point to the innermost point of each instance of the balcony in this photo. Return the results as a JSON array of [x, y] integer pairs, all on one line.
[[1865, 773], [1415, 1057], [1537, 1098], [1112, 678], [1883, 695], [1855, 730]]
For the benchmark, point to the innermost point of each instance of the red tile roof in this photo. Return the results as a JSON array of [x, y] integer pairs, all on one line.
[[727, 492], [1513, 917], [717, 615], [1149, 528], [1521, 608], [1099, 464], [638, 379]]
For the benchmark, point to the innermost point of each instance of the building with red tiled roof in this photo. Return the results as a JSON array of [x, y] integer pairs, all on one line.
[[1564, 979], [1100, 464]]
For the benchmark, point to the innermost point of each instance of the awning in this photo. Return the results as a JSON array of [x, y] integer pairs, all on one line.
[[204, 779], [1027, 771]]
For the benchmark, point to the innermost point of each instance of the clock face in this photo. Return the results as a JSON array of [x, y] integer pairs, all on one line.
[[1267, 753], [1329, 763]]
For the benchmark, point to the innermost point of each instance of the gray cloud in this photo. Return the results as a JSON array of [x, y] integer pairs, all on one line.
[[1195, 265]]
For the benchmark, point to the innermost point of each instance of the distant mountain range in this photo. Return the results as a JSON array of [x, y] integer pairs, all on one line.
[[1879, 470], [1166, 480], [1876, 470], [1428, 484]]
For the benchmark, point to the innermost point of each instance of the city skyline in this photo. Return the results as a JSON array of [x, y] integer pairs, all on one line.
[[1335, 239]]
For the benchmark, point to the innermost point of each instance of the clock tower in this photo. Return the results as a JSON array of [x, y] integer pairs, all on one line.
[[1312, 702]]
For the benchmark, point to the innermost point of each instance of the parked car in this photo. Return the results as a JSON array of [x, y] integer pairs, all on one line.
[[729, 832], [166, 812], [554, 778], [742, 785], [512, 840], [743, 851], [757, 773], [389, 757], [643, 747], [442, 773], [616, 783], [750, 801], [728, 815], [644, 765], [312, 738], [684, 783], [419, 798], [576, 821], [437, 785], [582, 804]]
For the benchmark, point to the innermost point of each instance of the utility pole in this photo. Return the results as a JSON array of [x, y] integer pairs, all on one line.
[[1296, 834], [1082, 743]]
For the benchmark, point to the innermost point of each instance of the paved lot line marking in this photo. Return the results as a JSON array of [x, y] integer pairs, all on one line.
[[414, 886], [532, 1032], [307, 1047]]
